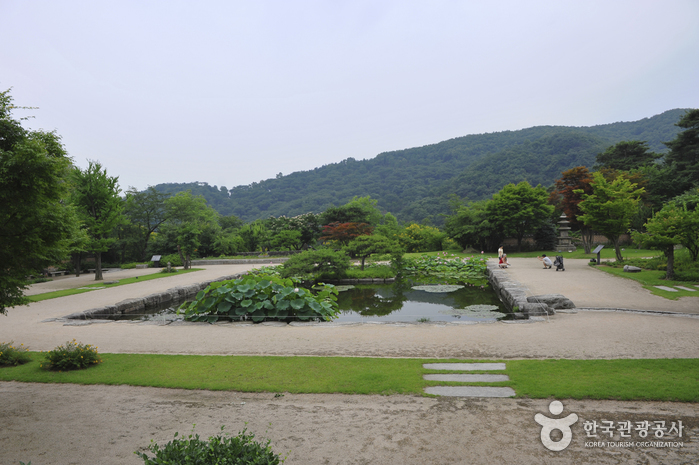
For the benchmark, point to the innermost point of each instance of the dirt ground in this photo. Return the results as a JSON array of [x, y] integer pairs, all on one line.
[[70, 424]]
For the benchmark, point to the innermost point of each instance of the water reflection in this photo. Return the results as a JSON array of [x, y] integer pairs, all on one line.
[[399, 302]]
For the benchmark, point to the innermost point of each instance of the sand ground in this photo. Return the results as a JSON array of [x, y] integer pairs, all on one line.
[[67, 424]]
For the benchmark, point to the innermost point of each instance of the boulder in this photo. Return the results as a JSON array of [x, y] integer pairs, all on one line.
[[555, 301], [631, 269], [536, 309]]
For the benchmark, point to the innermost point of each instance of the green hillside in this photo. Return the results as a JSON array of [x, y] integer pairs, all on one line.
[[415, 184]]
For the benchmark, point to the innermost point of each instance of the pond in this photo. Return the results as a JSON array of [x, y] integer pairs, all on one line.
[[407, 301], [400, 301]]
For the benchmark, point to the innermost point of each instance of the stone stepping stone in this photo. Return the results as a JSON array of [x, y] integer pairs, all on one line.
[[470, 391], [665, 288], [464, 366], [465, 378], [686, 288]]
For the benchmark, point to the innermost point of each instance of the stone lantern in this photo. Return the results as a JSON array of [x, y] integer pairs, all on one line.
[[565, 243]]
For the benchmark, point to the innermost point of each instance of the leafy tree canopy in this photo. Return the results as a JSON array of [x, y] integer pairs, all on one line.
[[36, 224], [519, 209], [610, 208], [669, 227], [95, 196]]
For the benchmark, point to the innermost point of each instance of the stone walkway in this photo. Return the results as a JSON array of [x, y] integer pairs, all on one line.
[[468, 391], [670, 289]]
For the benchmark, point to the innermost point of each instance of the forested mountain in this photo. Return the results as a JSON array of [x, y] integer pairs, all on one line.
[[415, 184]]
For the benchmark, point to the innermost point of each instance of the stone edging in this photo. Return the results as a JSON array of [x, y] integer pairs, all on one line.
[[510, 292], [141, 304], [638, 312]]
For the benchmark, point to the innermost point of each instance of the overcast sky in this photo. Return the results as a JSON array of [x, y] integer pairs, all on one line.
[[232, 92]]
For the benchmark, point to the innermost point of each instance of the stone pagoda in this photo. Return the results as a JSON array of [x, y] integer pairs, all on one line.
[[565, 243]]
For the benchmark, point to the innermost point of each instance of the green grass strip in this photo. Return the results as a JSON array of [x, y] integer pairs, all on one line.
[[650, 278], [647, 379], [655, 379], [606, 254], [98, 285]]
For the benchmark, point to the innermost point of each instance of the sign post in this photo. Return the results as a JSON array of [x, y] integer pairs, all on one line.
[[598, 251]]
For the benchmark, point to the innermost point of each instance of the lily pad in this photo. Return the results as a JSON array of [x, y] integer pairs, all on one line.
[[481, 312], [344, 287], [438, 288]]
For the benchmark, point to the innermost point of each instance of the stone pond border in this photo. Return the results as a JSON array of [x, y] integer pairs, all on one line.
[[141, 304]]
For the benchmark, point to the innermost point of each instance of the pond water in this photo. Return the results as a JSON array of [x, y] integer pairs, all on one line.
[[407, 301], [401, 301]]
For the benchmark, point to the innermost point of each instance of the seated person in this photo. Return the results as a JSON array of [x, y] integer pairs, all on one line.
[[503, 261], [547, 261]]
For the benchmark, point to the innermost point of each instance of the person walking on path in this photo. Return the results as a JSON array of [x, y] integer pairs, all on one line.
[[500, 253]]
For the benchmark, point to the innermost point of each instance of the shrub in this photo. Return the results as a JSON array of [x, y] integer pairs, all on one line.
[[71, 356], [173, 258], [421, 238], [221, 449], [13, 356], [331, 263], [261, 297], [371, 271], [131, 266]]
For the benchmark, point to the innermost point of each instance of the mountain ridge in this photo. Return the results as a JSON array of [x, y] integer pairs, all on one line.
[[415, 183]]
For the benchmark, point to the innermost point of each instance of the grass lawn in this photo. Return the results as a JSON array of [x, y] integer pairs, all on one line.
[[662, 379], [650, 278], [98, 285], [606, 254]]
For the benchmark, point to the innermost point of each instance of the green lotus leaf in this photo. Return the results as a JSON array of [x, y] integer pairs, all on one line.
[[297, 304], [224, 307], [246, 303], [258, 315], [315, 306]]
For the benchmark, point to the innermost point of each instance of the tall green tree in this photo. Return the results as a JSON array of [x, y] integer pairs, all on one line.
[[95, 196], [627, 155], [36, 224], [610, 208], [684, 152], [147, 211], [689, 201], [668, 227], [469, 226], [519, 210], [189, 220]]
